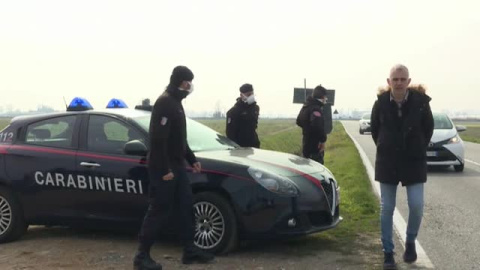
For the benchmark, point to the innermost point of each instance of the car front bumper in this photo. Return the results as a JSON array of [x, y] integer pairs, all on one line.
[[316, 209], [365, 127], [307, 223], [447, 154]]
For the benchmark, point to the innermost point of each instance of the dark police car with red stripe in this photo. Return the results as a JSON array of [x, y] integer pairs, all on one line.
[[87, 167]]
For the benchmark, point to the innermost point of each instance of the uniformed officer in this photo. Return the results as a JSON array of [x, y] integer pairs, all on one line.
[[169, 184], [242, 119], [311, 120]]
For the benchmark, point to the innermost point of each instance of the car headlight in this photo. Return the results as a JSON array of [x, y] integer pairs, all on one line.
[[274, 183], [455, 139]]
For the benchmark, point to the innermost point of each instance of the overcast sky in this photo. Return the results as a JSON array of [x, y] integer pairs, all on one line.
[[127, 49]]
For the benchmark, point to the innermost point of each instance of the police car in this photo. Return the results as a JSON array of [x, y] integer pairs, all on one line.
[[446, 148], [88, 167]]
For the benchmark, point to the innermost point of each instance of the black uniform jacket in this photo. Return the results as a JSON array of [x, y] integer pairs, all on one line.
[[168, 133], [402, 139], [311, 120], [242, 121]]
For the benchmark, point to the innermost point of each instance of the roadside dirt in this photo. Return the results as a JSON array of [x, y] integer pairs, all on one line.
[[64, 248]]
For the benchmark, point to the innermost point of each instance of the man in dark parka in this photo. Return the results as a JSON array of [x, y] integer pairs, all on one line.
[[402, 125]]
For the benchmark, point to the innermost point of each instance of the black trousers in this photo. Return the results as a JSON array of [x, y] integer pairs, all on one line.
[[168, 199], [310, 150], [317, 156]]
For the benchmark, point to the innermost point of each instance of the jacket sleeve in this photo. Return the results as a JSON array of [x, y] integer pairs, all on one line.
[[375, 122], [257, 113], [427, 123], [159, 134], [317, 124], [300, 119], [232, 125], [190, 156]]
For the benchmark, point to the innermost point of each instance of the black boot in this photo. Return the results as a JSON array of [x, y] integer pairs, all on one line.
[[193, 254], [389, 261], [410, 254], [143, 261]]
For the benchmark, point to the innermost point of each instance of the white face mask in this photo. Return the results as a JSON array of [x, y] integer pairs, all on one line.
[[190, 90], [249, 100], [322, 100]]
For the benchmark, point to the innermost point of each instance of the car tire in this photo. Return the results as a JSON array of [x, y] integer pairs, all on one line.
[[361, 132], [459, 168], [214, 213], [12, 221]]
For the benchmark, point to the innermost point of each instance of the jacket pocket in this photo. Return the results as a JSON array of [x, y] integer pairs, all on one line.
[[415, 145], [385, 142]]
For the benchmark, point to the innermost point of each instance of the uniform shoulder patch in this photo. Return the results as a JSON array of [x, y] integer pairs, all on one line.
[[229, 120], [317, 113], [164, 121]]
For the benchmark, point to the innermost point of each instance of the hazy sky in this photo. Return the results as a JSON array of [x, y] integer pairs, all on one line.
[[127, 49]]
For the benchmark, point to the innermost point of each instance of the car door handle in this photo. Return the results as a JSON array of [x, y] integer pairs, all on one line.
[[88, 164]]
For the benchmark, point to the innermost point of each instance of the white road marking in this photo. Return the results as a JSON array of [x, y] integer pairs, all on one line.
[[473, 162], [398, 220]]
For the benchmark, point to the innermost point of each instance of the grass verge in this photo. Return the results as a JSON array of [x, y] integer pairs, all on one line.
[[4, 122], [472, 134]]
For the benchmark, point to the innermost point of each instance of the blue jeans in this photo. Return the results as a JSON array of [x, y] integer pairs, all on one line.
[[415, 207]]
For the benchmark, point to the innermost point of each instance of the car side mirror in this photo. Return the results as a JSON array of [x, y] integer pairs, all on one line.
[[460, 128], [135, 148]]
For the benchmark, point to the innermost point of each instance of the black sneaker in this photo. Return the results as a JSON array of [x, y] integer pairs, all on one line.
[[196, 255], [389, 262], [410, 254], [143, 261]]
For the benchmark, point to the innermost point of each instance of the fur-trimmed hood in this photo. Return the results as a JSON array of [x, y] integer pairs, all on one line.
[[420, 88]]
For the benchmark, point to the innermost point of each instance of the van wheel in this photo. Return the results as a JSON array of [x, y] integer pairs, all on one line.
[[216, 228], [459, 168], [12, 222]]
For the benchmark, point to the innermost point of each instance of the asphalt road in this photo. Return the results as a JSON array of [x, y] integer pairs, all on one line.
[[450, 230]]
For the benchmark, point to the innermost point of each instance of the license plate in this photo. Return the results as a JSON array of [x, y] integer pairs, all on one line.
[[431, 154]]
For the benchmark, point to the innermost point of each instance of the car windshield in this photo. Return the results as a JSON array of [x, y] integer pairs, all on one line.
[[441, 121], [366, 117], [200, 137]]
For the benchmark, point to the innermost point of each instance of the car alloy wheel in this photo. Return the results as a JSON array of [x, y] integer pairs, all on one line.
[[210, 225], [5, 215], [12, 222]]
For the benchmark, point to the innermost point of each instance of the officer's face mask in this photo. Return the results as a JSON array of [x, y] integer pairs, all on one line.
[[249, 100], [323, 100], [189, 90]]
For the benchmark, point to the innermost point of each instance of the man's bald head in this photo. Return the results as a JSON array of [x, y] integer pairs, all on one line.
[[399, 67]]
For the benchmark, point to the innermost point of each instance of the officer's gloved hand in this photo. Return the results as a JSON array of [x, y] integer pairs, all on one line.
[[321, 147], [167, 177]]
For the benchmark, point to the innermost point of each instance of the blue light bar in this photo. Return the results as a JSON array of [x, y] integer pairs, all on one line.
[[79, 104], [116, 103]]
